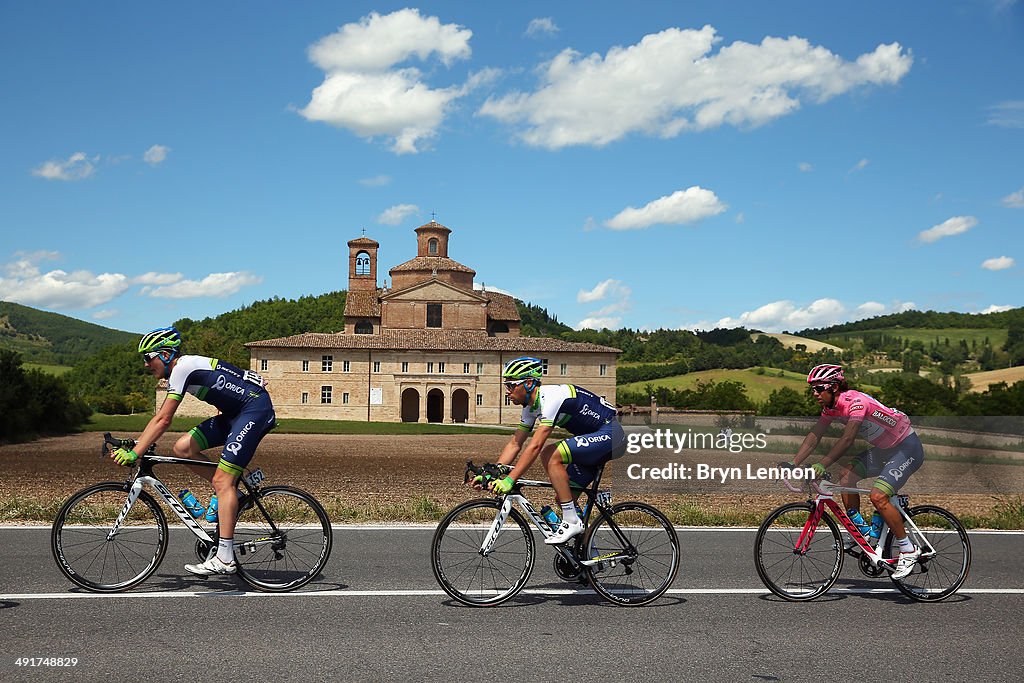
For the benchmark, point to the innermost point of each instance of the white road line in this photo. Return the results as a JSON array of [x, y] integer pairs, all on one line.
[[425, 593], [433, 526]]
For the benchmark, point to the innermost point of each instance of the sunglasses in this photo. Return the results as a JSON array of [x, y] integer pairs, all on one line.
[[510, 386], [148, 357], [821, 387]]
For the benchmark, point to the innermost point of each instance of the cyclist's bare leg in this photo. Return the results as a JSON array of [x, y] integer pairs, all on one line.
[[557, 474], [892, 517], [849, 478], [188, 447], [227, 502]]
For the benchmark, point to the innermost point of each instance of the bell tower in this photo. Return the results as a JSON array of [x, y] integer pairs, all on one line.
[[362, 265]]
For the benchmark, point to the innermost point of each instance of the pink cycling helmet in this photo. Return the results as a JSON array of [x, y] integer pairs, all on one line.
[[825, 374]]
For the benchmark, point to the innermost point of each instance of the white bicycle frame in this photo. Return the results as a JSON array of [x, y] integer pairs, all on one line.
[[172, 501]]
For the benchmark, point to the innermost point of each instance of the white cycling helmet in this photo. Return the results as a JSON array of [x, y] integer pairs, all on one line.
[[825, 374]]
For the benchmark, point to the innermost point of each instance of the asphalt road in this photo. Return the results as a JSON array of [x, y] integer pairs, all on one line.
[[377, 614]]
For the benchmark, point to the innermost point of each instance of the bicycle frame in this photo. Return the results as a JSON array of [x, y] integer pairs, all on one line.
[[824, 500]]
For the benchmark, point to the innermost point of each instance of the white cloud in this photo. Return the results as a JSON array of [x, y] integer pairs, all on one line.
[[152, 278], [1014, 200], [364, 91], [483, 287], [994, 308], [396, 214], [954, 226], [376, 181], [76, 167], [604, 316], [998, 263], [213, 285], [1007, 114], [542, 26], [683, 206], [24, 283], [105, 314], [805, 167], [740, 218], [860, 165], [672, 82], [156, 155], [787, 315]]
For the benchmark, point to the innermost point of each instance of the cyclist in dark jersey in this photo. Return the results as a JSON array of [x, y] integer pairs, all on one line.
[[597, 436], [246, 415]]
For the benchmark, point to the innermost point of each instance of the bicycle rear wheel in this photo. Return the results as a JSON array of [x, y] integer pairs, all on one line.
[[461, 568], [88, 553], [637, 551], [938, 574], [788, 572], [290, 552]]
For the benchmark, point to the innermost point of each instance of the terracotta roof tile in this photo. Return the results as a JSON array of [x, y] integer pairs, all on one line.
[[430, 340], [429, 263], [502, 306], [362, 304]]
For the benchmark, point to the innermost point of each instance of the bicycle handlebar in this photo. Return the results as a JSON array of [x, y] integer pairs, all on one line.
[[487, 470], [111, 442]]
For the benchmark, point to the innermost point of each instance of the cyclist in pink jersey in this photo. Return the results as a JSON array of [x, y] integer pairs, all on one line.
[[895, 452]]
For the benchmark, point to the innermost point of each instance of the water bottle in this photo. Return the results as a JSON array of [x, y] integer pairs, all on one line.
[[876, 526], [550, 516], [194, 507], [211, 511], [858, 519]]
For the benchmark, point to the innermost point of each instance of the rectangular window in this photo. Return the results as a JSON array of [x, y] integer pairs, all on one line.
[[433, 315], [305, 397], [440, 367], [326, 363], [479, 399], [508, 401], [564, 368], [376, 366], [405, 366], [544, 361], [305, 366], [603, 370], [430, 366], [325, 394], [344, 398], [346, 366], [465, 368], [479, 368], [263, 365]]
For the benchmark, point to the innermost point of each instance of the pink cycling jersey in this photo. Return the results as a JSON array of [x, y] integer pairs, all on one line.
[[882, 426]]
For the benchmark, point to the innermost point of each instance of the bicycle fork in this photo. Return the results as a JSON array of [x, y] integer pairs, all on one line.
[[133, 495], [496, 525]]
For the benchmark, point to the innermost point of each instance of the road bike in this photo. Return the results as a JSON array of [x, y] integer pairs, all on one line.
[[799, 550], [112, 536], [483, 551]]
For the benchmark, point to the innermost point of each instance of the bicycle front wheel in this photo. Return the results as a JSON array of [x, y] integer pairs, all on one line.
[[945, 559], [632, 553], [94, 555], [792, 571], [283, 539], [465, 570]]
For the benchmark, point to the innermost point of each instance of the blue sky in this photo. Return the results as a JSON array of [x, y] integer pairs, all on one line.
[[658, 164]]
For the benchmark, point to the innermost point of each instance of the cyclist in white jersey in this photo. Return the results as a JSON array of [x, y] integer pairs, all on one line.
[[895, 452], [597, 437], [246, 415]]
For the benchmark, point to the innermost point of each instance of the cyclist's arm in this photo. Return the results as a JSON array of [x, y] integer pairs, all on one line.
[[158, 424], [844, 442], [512, 448], [532, 450], [811, 440]]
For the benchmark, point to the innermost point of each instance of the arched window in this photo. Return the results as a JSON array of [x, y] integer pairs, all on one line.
[[364, 327], [362, 263], [432, 246]]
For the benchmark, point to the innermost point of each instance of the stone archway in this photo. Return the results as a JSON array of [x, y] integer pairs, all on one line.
[[460, 405], [410, 405], [435, 405]]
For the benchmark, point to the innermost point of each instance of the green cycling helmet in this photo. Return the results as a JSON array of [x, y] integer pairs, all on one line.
[[160, 339], [525, 367]]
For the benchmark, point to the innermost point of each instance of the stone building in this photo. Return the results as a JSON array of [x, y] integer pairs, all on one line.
[[428, 348]]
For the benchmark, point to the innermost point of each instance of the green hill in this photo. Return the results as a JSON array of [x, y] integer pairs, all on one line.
[[53, 339]]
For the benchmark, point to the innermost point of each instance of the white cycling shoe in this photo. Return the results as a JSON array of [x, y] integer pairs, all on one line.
[[906, 563], [564, 533], [212, 566]]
